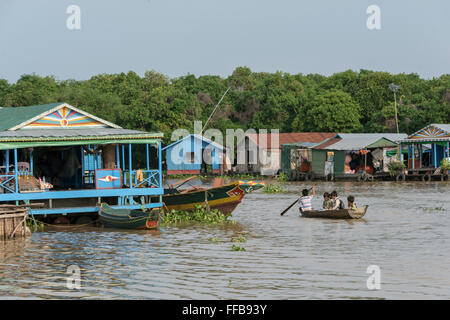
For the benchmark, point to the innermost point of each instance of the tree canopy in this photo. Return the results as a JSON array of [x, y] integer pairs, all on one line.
[[343, 102]]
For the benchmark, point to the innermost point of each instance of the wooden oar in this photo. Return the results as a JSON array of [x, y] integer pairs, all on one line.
[[287, 209], [181, 182]]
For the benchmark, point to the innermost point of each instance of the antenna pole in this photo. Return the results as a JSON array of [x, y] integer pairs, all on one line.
[[217, 105]]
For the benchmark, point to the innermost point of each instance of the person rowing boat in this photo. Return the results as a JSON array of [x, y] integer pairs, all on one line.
[[305, 201]]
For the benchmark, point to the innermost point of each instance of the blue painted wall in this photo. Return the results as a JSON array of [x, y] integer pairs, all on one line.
[[177, 155]]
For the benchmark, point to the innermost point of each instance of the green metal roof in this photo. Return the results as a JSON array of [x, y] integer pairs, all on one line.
[[13, 116], [382, 143]]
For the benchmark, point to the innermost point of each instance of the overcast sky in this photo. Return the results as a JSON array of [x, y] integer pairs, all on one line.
[[176, 37]]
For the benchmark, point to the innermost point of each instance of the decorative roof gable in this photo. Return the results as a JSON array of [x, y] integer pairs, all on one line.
[[63, 116], [433, 131]]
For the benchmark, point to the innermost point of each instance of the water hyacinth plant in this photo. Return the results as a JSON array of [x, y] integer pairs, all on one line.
[[237, 247], [200, 214], [283, 177], [395, 166], [34, 225], [445, 164], [273, 188], [240, 239]]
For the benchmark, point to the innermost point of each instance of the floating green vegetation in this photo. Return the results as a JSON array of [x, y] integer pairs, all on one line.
[[430, 209], [445, 164], [241, 176], [239, 239], [215, 240], [283, 177], [200, 214], [237, 247], [35, 225], [273, 188], [395, 166]]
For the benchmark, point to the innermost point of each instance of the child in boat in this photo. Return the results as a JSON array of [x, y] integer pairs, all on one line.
[[337, 203], [327, 203], [351, 202], [305, 200]]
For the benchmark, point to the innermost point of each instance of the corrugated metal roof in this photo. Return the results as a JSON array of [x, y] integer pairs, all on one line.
[[292, 137], [197, 136], [13, 116], [358, 141], [48, 133], [382, 143], [301, 144], [327, 143]]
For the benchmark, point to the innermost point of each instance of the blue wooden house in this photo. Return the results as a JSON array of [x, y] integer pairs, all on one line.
[[71, 161], [428, 147], [194, 154]]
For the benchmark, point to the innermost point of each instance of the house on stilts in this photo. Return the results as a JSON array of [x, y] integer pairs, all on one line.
[[195, 154], [426, 150], [71, 161]]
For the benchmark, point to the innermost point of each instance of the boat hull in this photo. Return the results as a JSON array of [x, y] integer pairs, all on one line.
[[336, 214], [128, 219], [224, 198], [249, 186]]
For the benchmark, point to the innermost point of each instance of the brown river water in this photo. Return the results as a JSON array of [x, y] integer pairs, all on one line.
[[406, 232]]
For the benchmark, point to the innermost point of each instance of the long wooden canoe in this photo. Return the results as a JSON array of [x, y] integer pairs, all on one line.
[[224, 198], [128, 219], [336, 214]]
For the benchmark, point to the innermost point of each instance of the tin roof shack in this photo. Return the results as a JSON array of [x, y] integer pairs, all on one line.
[[71, 160], [263, 152], [296, 160], [353, 153], [194, 154], [427, 147]]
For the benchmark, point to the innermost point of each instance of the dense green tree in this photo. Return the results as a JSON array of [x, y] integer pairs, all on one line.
[[334, 111], [347, 101], [31, 90]]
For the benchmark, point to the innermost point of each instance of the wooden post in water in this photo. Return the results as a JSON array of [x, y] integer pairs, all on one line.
[[13, 222]]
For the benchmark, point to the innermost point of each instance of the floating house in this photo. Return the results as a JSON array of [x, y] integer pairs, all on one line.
[[296, 159], [70, 160], [427, 147], [263, 152], [353, 153], [195, 154]]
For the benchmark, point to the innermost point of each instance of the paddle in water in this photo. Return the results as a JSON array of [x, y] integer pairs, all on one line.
[[287, 209]]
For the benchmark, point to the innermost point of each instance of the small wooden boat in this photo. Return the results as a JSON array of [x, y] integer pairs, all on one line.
[[336, 214], [128, 219], [224, 198]]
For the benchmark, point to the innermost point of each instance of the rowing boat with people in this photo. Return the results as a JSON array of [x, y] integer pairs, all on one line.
[[357, 213]]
